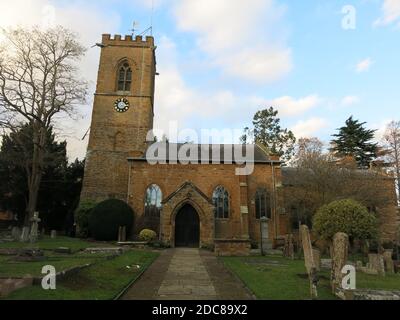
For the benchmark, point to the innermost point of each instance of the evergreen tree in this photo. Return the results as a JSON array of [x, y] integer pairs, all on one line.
[[355, 140], [268, 132], [60, 186]]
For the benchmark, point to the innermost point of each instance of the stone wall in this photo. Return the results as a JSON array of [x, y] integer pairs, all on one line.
[[228, 248]]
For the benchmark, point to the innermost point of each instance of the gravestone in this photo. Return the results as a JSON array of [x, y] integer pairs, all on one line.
[[388, 259], [317, 259], [376, 263], [309, 260], [53, 234], [266, 244], [288, 250], [340, 251], [16, 233], [122, 234], [25, 234], [34, 227]]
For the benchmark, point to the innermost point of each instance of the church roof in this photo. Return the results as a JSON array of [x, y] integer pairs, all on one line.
[[216, 153]]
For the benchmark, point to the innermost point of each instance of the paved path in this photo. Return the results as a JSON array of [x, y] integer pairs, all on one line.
[[187, 274]]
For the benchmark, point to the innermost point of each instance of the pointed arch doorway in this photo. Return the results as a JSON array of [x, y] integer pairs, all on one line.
[[187, 227]]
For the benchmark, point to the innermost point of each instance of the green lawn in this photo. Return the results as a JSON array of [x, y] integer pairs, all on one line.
[[48, 244], [102, 281], [288, 280]]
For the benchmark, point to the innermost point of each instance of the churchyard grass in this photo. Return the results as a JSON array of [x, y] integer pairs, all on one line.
[[102, 281], [48, 244], [277, 278], [15, 269]]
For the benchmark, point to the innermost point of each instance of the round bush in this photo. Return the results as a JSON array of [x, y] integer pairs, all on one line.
[[107, 217], [82, 215], [346, 216], [147, 235]]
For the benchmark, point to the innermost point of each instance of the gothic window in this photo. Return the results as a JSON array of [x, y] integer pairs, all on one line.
[[153, 202], [263, 204], [124, 77], [221, 203]]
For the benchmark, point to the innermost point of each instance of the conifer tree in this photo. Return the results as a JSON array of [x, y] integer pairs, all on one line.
[[355, 140]]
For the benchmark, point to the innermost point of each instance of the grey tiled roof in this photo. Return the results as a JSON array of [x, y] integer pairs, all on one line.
[[207, 153]]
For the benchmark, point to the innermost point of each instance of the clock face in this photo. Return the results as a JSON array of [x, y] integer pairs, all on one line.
[[121, 105]]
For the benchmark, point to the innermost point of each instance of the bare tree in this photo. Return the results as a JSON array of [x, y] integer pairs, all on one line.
[[38, 81], [317, 178], [392, 144]]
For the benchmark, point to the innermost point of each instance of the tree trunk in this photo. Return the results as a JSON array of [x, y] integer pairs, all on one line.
[[39, 140]]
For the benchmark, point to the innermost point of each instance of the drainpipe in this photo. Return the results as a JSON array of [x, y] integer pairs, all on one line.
[[274, 202]]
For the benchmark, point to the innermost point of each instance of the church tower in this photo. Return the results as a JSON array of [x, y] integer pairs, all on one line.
[[122, 116]]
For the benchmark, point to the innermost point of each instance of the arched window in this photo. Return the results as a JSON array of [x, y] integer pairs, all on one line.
[[153, 202], [263, 204], [124, 77], [221, 203]]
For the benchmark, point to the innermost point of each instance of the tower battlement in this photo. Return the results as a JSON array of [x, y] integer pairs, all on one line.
[[107, 40]]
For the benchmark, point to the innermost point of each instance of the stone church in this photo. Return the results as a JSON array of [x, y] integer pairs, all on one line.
[[193, 205], [196, 205]]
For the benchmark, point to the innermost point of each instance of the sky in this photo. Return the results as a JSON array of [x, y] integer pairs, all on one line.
[[317, 62]]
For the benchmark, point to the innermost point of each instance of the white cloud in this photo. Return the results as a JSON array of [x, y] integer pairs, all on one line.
[[238, 36], [390, 13], [308, 128], [364, 65], [82, 17], [350, 100], [177, 101], [289, 106]]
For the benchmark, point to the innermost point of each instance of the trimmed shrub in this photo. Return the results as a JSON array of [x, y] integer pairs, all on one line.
[[346, 216], [107, 217], [82, 217], [147, 235]]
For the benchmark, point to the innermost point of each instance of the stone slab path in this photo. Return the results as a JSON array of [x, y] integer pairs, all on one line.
[[187, 274]]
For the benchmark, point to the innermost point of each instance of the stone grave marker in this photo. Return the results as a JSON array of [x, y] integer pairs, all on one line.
[[340, 251], [288, 250], [34, 228], [53, 234], [16, 233], [266, 244], [309, 260], [25, 234], [376, 263], [388, 259]]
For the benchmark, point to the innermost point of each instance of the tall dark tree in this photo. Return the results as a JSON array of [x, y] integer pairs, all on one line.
[[60, 187], [354, 140], [268, 132]]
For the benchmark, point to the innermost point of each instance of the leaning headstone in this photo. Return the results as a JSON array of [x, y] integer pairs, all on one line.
[[376, 263], [25, 234], [53, 234], [340, 251], [388, 259], [34, 228], [266, 243], [309, 260], [16, 233]]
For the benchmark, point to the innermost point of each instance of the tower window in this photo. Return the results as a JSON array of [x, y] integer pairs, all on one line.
[[124, 77]]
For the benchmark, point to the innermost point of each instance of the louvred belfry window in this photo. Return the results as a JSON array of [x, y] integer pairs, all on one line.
[[124, 77]]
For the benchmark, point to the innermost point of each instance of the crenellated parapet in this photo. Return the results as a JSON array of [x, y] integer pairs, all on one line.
[[128, 40]]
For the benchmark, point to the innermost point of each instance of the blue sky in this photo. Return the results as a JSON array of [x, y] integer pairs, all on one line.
[[222, 60]]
